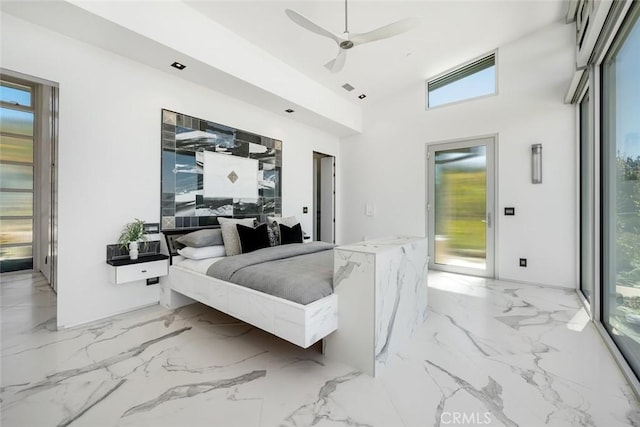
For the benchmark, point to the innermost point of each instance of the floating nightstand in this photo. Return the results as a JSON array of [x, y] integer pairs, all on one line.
[[149, 265]]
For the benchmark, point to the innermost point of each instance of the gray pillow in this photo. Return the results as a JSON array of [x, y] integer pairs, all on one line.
[[202, 238], [230, 233]]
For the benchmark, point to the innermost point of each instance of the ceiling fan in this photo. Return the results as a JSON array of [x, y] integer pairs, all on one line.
[[351, 40]]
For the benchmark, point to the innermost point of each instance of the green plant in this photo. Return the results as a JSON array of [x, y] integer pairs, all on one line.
[[132, 232]]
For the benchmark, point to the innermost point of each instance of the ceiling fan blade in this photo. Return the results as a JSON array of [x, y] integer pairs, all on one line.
[[311, 26], [337, 63], [387, 31]]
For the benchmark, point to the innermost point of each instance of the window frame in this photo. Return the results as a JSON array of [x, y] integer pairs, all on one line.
[[460, 68], [586, 188]]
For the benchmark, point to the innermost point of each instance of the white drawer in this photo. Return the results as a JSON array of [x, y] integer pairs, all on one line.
[[140, 271]]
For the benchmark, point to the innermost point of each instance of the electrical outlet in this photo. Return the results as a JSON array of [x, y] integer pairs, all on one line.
[[523, 262], [305, 210]]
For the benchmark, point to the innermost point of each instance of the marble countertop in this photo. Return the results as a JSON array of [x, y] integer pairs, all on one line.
[[382, 244]]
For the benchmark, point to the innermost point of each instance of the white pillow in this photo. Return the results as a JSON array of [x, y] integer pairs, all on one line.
[[289, 221], [203, 253], [230, 233]]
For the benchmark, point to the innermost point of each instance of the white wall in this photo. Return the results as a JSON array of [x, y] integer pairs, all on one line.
[[386, 164], [109, 155]]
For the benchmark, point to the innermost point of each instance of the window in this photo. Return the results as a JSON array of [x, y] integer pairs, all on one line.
[[472, 80], [620, 192], [16, 176]]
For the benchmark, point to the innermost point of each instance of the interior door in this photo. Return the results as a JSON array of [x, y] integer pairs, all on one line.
[[327, 192], [460, 206]]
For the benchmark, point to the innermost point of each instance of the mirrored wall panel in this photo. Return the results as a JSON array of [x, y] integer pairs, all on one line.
[[211, 170]]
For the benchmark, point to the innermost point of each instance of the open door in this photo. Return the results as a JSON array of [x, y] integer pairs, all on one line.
[[324, 200], [28, 147]]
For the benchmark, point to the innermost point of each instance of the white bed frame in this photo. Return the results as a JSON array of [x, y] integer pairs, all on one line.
[[382, 286], [303, 325]]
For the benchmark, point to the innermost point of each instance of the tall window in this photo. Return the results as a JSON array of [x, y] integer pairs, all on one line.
[[16, 176], [621, 191], [472, 80]]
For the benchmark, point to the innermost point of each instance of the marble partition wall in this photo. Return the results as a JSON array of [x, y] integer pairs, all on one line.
[[382, 298]]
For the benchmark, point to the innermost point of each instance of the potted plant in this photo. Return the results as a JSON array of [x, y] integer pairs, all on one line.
[[132, 235]]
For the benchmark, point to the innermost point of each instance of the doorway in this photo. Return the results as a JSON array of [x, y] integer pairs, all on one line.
[[460, 206], [324, 190], [28, 193]]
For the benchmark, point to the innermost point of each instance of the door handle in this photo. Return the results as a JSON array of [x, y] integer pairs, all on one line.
[[488, 219]]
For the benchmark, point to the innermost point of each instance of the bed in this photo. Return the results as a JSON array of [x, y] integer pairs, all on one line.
[[278, 308], [381, 285]]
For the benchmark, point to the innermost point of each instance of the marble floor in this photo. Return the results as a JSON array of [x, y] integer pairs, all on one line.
[[491, 353]]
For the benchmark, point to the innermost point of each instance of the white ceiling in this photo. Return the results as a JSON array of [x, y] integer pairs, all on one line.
[[450, 32]]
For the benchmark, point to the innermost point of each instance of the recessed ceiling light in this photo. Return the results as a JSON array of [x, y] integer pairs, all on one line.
[[289, 110], [178, 65], [348, 87], [362, 96]]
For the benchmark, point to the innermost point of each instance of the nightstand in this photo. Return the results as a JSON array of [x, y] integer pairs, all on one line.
[[145, 267]]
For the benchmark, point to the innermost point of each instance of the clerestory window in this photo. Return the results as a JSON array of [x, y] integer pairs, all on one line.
[[471, 80]]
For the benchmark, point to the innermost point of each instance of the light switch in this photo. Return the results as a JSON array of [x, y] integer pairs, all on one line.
[[370, 209]]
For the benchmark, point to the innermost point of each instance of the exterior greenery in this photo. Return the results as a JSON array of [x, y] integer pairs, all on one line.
[[462, 211], [628, 221]]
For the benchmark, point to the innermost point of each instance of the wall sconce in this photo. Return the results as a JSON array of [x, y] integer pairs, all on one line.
[[536, 164]]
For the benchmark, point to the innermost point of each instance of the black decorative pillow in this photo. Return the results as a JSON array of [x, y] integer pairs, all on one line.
[[290, 234], [252, 239]]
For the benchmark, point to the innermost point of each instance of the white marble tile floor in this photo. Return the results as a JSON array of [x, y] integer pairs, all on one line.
[[491, 353]]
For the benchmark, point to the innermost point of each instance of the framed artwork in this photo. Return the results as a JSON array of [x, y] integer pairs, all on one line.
[[211, 170]]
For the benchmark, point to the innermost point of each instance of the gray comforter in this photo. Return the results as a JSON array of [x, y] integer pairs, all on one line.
[[299, 272]]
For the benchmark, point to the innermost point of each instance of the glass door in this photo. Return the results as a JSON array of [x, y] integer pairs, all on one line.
[[460, 206]]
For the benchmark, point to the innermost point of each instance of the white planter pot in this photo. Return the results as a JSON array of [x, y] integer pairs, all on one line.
[[133, 250]]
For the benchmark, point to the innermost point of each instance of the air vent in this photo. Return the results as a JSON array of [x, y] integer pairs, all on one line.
[[347, 87]]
